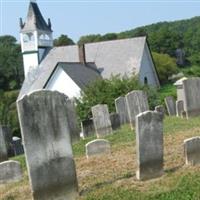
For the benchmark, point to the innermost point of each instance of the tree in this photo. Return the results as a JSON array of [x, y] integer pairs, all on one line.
[[165, 65], [63, 40], [11, 66]]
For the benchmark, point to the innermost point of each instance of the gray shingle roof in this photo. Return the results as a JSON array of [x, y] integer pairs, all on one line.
[[110, 57], [35, 19], [82, 75]]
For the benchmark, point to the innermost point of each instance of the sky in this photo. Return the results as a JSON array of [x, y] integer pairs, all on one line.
[[76, 18]]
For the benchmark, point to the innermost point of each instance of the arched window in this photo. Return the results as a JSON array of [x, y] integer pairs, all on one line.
[[145, 80]]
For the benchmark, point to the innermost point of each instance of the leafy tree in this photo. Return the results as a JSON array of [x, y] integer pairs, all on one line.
[[89, 38], [11, 67], [63, 40], [105, 91], [165, 65]]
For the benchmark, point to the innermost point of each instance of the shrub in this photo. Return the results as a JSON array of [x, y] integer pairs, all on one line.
[[105, 91]]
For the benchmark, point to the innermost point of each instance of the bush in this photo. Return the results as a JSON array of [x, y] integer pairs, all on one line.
[[165, 65], [105, 91]]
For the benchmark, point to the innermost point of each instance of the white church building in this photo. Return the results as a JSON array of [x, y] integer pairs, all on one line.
[[69, 69]]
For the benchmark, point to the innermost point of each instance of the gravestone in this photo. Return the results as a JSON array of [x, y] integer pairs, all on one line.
[[97, 147], [149, 145], [101, 119], [17, 146], [192, 151], [8, 139], [191, 100], [115, 121], [121, 109], [87, 128], [3, 147], [10, 171], [137, 102], [179, 108], [43, 117], [160, 109], [73, 122], [171, 106]]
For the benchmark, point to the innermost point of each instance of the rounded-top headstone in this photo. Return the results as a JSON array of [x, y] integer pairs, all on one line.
[[97, 147]]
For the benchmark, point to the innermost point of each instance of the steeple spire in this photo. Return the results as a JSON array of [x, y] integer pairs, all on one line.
[[35, 20]]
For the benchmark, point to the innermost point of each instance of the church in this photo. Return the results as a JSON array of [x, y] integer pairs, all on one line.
[[69, 69]]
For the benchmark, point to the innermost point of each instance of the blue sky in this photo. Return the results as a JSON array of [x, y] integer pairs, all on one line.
[[81, 17]]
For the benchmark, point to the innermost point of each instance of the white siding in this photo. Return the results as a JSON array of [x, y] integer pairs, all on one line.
[[147, 69], [61, 82]]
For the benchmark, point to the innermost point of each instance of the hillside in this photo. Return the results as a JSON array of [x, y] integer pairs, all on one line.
[[163, 37], [112, 177]]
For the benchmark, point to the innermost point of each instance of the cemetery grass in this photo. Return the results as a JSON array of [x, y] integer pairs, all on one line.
[[113, 176]]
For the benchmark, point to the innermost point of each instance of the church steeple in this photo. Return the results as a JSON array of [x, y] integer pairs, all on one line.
[[36, 37]]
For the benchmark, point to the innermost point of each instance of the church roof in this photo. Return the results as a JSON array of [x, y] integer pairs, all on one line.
[[81, 74], [110, 57], [35, 20]]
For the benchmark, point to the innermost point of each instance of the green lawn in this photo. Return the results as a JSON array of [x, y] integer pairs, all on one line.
[[112, 177]]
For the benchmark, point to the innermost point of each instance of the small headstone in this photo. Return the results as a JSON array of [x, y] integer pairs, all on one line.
[[191, 100], [3, 147], [149, 145], [179, 108], [101, 119], [192, 151], [97, 147], [121, 109], [180, 57], [87, 128], [43, 117], [73, 121], [171, 106], [115, 121], [10, 171], [160, 109], [137, 102], [17, 146]]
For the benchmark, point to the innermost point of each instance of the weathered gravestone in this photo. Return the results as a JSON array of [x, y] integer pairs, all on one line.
[[72, 121], [115, 121], [179, 108], [8, 139], [121, 109], [192, 151], [17, 146], [97, 147], [101, 119], [43, 117], [3, 148], [10, 171], [149, 145], [137, 102], [87, 128], [171, 106], [191, 100]]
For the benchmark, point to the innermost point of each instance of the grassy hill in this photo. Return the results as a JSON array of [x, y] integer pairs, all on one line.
[[112, 177]]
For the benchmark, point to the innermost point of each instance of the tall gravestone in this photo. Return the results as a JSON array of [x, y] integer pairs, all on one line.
[[179, 108], [101, 119], [137, 102], [191, 88], [3, 147], [6, 131], [46, 135], [149, 145], [73, 121], [115, 121], [192, 151], [87, 128], [121, 109], [171, 105]]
